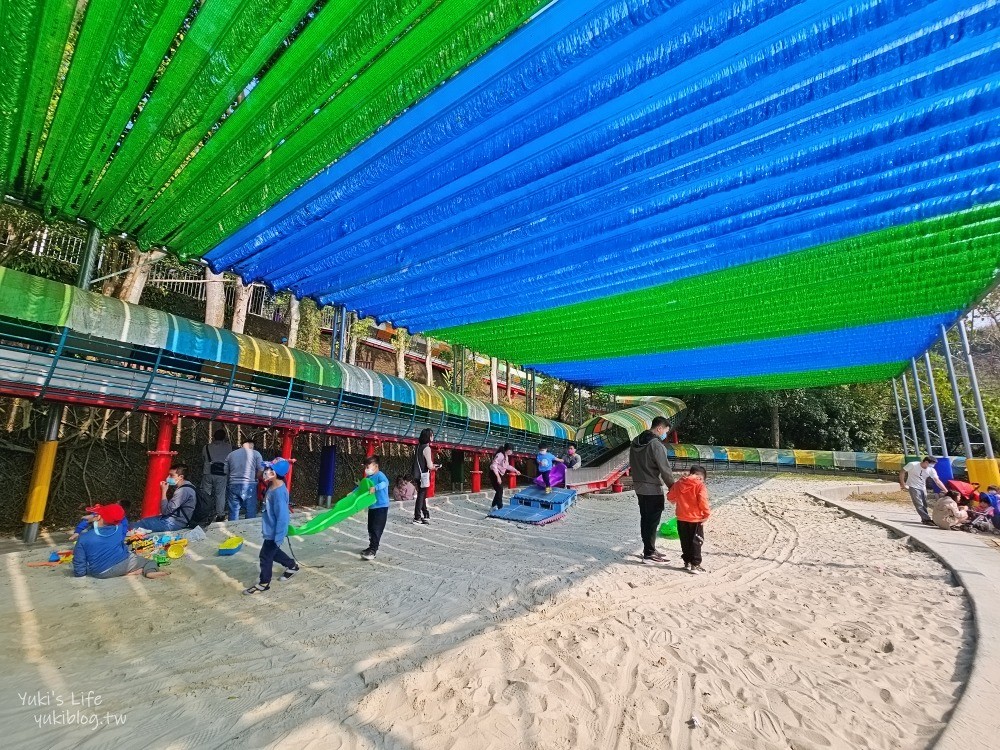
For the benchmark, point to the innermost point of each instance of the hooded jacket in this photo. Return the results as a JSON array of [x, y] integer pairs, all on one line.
[[649, 464], [690, 495]]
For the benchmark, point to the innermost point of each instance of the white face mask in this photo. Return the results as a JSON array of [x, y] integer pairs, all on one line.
[[369, 471]]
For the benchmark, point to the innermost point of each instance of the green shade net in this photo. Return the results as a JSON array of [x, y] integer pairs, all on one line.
[[179, 121], [893, 271]]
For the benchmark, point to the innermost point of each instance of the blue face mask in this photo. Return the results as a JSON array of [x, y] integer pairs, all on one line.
[[172, 481], [663, 436]]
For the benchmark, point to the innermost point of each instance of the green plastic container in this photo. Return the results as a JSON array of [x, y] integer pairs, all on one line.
[[669, 529]]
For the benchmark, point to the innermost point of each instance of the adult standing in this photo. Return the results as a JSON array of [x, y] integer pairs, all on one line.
[[499, 468], [214, 477], [423, 465], [650, 467], [243, 468], [913, 478]]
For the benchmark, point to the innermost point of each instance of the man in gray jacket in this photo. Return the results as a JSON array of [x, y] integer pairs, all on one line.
[[215, 475], [649, 464]]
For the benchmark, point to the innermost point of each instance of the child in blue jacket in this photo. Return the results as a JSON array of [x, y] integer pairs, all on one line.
[[274, 526], [378, 513]]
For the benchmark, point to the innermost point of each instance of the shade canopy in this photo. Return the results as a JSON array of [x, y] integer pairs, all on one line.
[[641, 195]]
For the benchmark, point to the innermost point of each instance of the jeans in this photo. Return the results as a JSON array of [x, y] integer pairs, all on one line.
[[650, 510], [545, 477], [242, 496], [919, 498], [691, 535], [158, 523], [420, 505], [497, 491], [376, 525], [269, 553], [215, 487]]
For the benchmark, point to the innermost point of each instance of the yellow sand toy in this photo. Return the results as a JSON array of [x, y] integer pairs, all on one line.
[[231, 546], [176, 549]]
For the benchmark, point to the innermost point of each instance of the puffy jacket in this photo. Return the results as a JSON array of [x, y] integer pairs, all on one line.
[[649, 464], [690, 495]]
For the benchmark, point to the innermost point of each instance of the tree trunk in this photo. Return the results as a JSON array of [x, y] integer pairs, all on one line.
[[509, 391], [567, 391], [215, 299], [242, 302], [138, 275], [400, 342], [428, 357], [775, 424], [293, 321], [493, 380]]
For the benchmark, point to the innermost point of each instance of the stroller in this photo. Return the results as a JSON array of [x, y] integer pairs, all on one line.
[[979, 519]]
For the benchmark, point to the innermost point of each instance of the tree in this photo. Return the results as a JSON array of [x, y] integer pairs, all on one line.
[[401, 344], [358, 330], [428, 360], [138, 274], [509, 390], [294, 317], [215, 299], [240, 306]]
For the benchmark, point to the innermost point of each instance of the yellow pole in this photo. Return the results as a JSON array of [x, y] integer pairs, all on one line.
[[41, 479], [41, 475]]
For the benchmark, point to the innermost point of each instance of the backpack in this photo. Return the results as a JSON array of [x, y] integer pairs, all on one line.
[[204, 509]]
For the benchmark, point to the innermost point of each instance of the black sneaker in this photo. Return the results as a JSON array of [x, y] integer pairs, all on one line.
[[289, 572], [367, 555], [927, 522], [656, 557], [424, 521]]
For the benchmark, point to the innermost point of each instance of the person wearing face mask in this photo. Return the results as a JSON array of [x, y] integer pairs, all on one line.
[[650, 468], [177, 502], [378, 513], [571, 459], [101, 552], [274, 526]]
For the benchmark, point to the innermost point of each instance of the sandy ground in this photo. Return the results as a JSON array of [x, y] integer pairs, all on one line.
[[811, 630]]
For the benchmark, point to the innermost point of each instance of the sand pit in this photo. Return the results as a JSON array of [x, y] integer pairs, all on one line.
[[811, 629]]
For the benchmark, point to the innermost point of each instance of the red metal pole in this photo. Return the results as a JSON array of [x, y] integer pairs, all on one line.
[[477, 475], [369, 448], [159, 465], [287, 440], [512, 481], [430, 490]]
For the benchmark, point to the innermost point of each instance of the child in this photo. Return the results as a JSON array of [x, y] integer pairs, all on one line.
[[544, 459], [690, 495], [378, 513], [404, 491], [274, 526], [101, 553]]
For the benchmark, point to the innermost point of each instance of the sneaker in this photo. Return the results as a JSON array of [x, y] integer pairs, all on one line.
[[698, 569], [548, 490], [656, 557], [416, 520], [257, 588], [424, 521], [927, 522], [687, 568], [367, 555], [289, 572]]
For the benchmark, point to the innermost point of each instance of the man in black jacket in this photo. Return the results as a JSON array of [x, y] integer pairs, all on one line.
[[649, 464]]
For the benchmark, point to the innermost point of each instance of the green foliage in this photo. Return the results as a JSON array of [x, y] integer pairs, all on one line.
[[310, 326], [848, 418]]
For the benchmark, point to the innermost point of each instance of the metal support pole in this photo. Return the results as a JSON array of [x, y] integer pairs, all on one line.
[[287, 443], [899, 416], [41, 475], [159, 464], [335, 332], [909, 410], [962, 427], [343, 334], [89, 260], [976, 397], [935, 403], [920, 404]]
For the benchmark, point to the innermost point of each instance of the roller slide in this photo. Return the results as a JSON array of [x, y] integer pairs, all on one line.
[[358, 500]]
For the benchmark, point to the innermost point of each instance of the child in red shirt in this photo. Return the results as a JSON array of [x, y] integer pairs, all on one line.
[[690, 495]]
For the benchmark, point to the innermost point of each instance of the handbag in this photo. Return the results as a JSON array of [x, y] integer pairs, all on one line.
[[425, 479]]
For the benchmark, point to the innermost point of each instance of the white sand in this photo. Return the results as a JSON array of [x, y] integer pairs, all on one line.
[[811, 629]]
